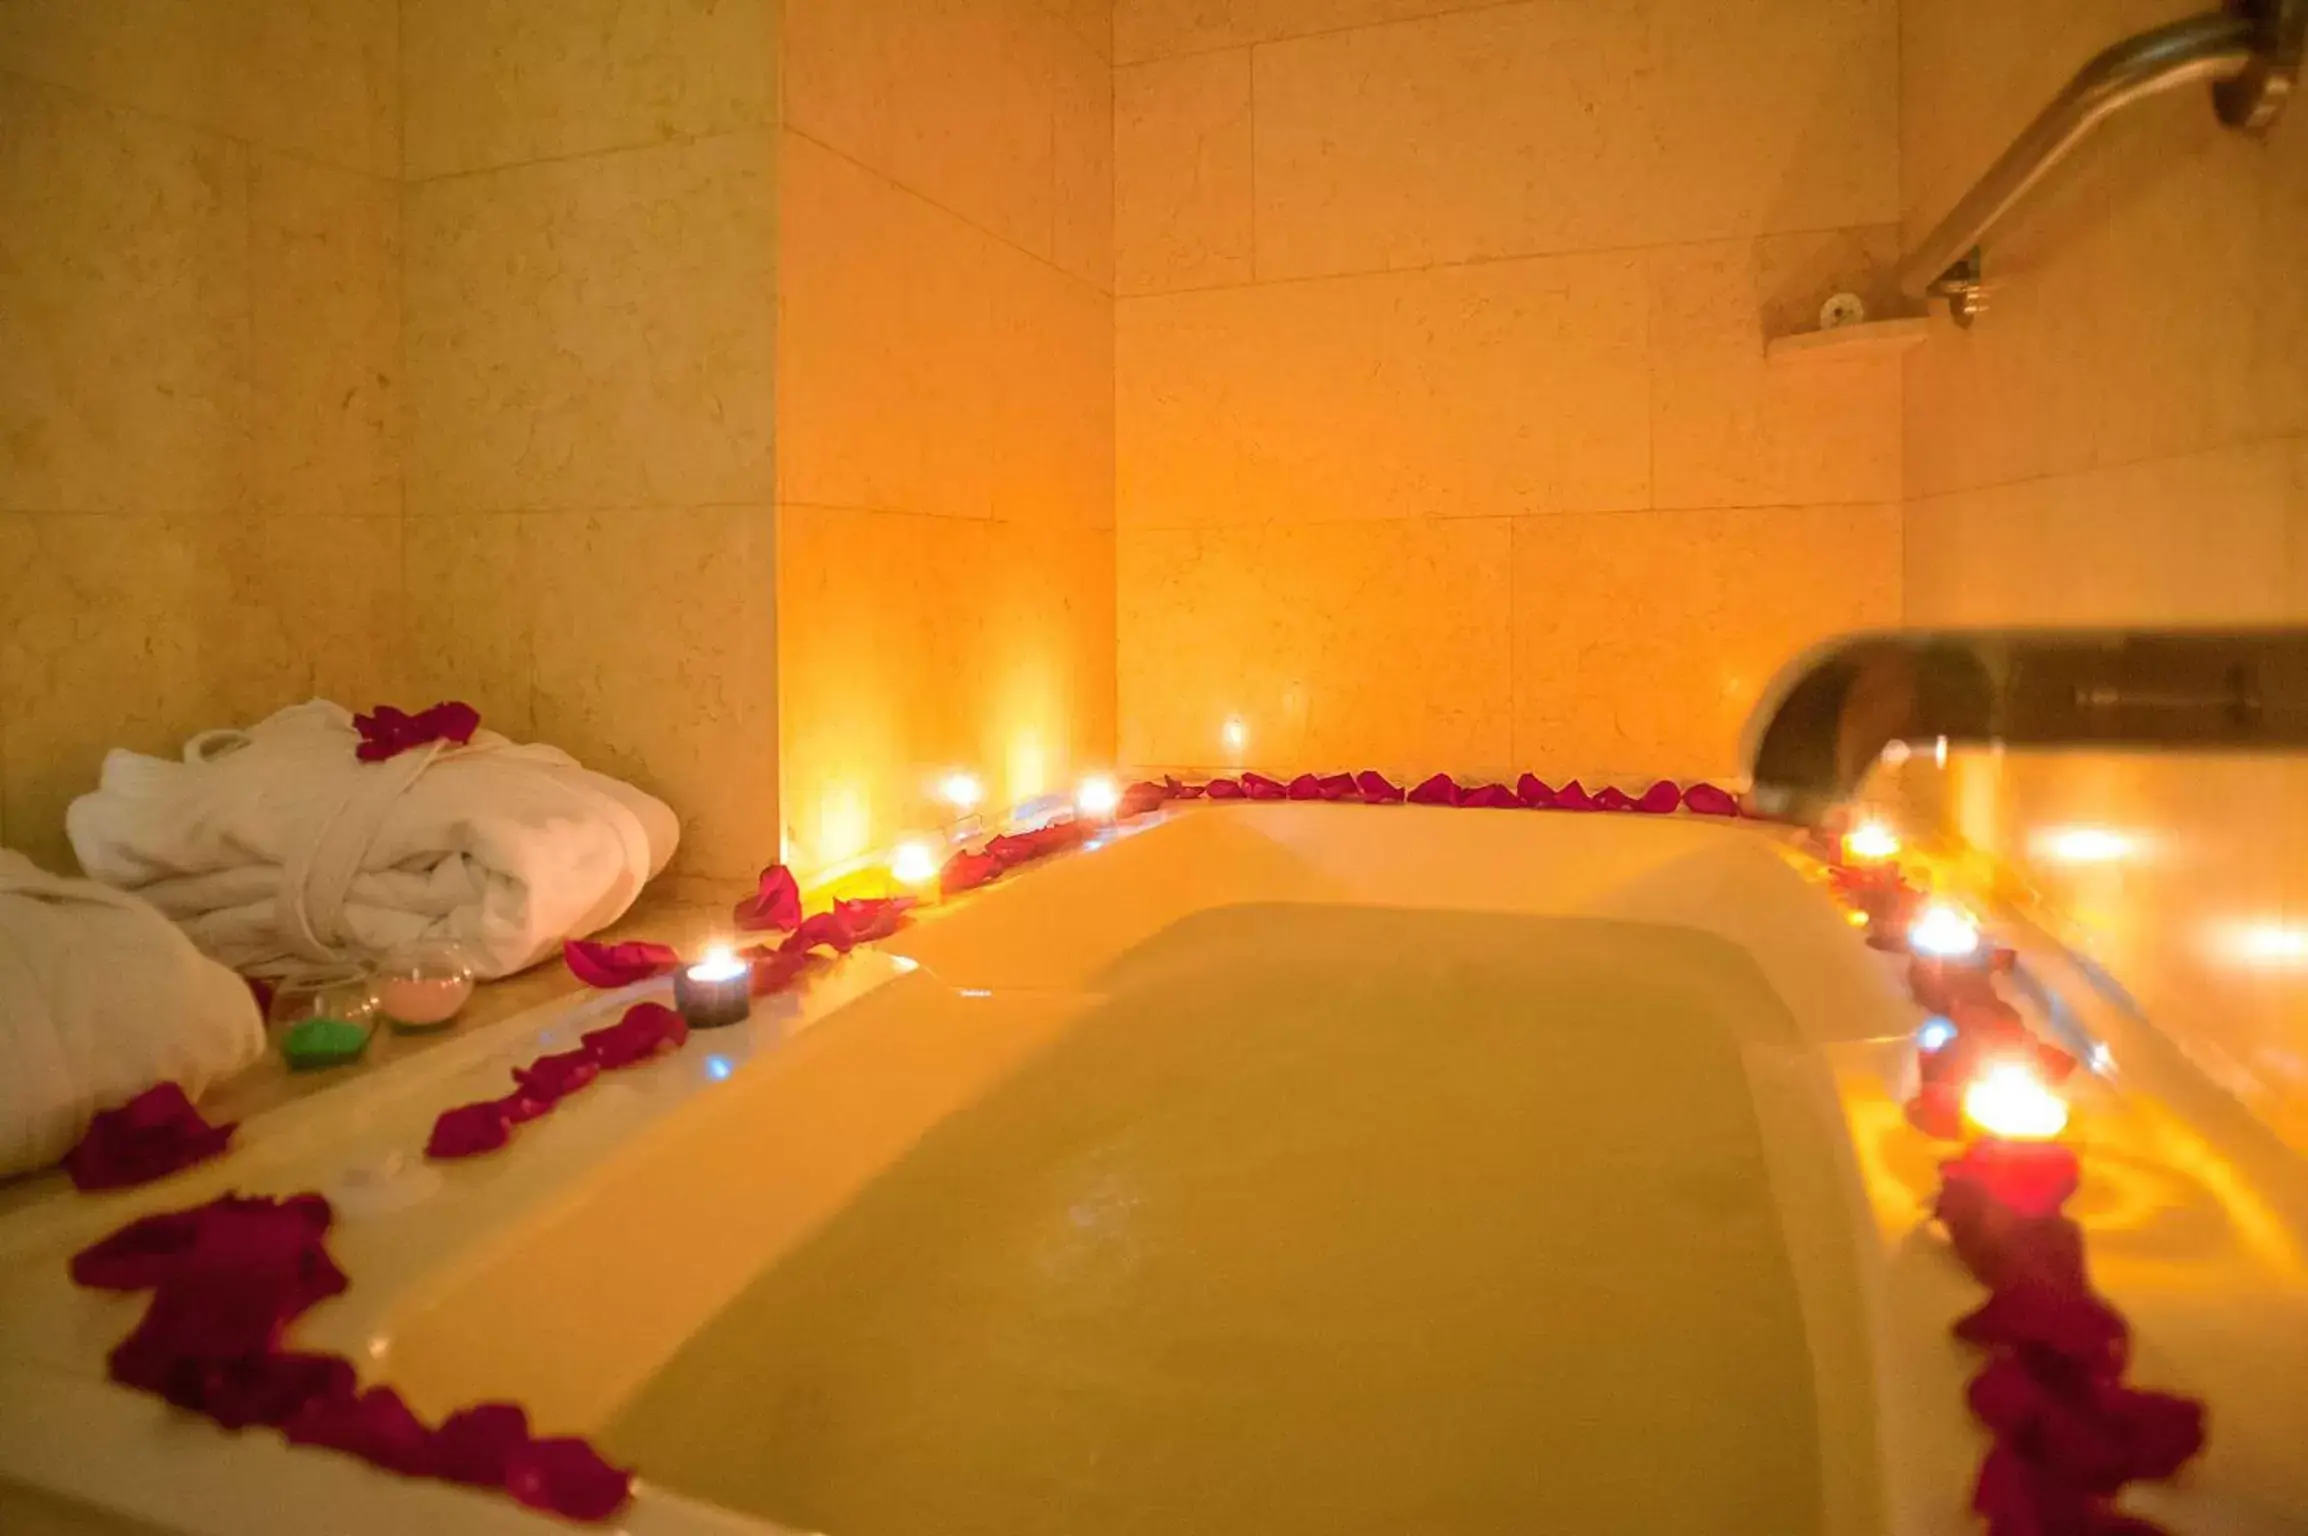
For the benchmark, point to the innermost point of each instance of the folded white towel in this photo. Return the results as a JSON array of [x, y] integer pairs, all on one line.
[[100, 998], [279, 851]]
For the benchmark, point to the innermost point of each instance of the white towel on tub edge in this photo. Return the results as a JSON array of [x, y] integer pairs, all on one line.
[[100, 998], [277, 850]]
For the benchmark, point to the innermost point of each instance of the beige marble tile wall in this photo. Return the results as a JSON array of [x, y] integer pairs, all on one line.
[[945, 407], [591, 231], [1445, 437], [2123, 440], [200, 376]]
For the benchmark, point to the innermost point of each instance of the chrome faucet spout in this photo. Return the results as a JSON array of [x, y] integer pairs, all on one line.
[[1826, 718]]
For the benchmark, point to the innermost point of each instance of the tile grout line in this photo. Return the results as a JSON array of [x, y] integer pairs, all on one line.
[[1465, 9]]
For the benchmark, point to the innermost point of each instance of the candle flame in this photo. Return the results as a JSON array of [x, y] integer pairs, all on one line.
[[1097, 796], [1943, 931], [2008, 1100], [1871, 842], [914, 862], [720, 964], [961, 790]]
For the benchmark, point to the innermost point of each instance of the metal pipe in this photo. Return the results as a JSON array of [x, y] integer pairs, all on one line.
[[1825, 719], [2215, 46]]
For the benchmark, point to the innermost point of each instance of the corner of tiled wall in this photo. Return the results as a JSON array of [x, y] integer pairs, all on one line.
[[200, 395], [1445, 437]]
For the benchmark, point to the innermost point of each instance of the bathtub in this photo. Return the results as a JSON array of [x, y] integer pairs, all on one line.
[[1264, 1168]]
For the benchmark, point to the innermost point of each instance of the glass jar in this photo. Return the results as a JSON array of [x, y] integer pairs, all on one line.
[[323, 1020], [423, 985]]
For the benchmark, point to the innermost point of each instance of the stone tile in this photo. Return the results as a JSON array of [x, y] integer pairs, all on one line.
[[116, 631], [1048, 374], [1475, 391], [1183, 205], [124, 276], [1082, 147], [951, 98], [1729, 429], [683, 703], [1642, 639], [595, 332], [881, 622], [1046, 713], [1091, 20], [501, 82], [318, 613], [886, 329], [1382, 644], [2195, 540], [472, 614], [325, 328], [1155, 29], [317, 78]]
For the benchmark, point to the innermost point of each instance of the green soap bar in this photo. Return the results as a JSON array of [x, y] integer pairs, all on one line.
[[324, 1043]]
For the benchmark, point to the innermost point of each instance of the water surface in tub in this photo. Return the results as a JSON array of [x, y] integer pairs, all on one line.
[[1321, 1219]]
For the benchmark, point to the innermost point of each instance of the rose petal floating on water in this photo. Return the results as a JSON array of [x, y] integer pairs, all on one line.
[[775, 905], [151, 1136], [567, 1477], [469, 1130], [618, 965], [1441, 789]]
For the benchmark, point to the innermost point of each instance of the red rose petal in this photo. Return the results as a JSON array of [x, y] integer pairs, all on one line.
[[1257, 786], [1534, 792], [2033, 1178], [568, 1478], [1337, 786], [376, 1426], [1491, 797], [2076, 1326], [478, 1445], [776, 904], [1937, 1111], [1708, 800], [1574, 797], [1612, 798], [875, 919], [554, 1078], [1660, 799], [1377, 789], [140, 1255], [261, 1389], [1142, 797], [1306, 787], [469, 1130], [1441, 789], [1223, 789], [773, 969], [618, 965], [386, 732], [153, 1135], [1180, 791], [646, 1030], [520, 1107]]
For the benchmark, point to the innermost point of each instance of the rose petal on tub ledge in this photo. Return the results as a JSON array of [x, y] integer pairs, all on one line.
[[1257, 786], [477, 1445], [608, 966], [1660, 799], [1441, 789], [151, 1136], [1224, 789], [1708, 800], [1534, 792], [646, 1030], [1306, 787], [1491, 797], [775, 905], [568, 1477], [1574, 797], [469, 1130], [1377, 789], [1612, 798]]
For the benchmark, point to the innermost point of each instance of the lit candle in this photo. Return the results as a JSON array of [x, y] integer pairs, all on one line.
[[717, 990], [914, 862], [962, 791], [2010, 1102], [2018, 1159], [1942, 932], [1871, 842], [1097, 797]]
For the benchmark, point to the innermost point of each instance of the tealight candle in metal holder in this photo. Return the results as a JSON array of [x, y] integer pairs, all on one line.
[[715, 992]]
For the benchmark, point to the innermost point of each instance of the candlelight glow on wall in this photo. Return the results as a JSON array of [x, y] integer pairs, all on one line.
[[2085, 845], [1944, 932], [2273, 946], [961, 791], [2009, 1101], [1234, 735]]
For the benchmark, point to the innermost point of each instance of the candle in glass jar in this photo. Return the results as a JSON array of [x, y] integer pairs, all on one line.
[[424, 999]]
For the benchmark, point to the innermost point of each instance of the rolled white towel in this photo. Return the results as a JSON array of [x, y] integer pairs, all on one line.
[[100, 998], [279, 851]]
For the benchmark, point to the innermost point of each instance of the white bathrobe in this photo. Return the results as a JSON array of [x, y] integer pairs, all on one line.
[[100, 998], [279, 851]]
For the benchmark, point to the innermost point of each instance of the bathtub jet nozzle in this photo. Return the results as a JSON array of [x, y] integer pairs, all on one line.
[[1825, 720]]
